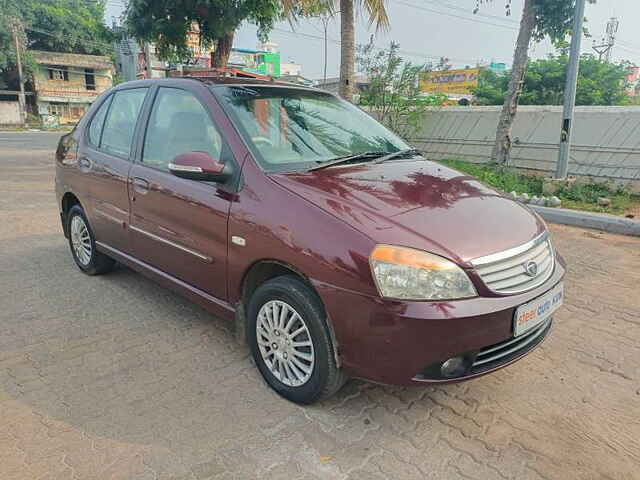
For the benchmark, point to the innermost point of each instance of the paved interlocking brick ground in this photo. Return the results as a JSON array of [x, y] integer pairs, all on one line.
[[114, 377]]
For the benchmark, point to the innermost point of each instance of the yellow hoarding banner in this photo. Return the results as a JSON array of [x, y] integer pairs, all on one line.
[[451, 81]]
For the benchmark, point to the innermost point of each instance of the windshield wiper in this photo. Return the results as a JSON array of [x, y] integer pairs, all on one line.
[[399, 153], [346, 159], [380, 157]]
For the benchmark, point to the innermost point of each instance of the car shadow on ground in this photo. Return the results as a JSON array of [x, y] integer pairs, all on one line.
[[118, 356]]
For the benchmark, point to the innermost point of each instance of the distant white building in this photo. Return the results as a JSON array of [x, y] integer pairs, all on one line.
[[292, 69]]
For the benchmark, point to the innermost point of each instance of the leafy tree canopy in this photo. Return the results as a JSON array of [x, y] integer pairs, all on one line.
[[167, 22], [69, 26], [553, 18], [599, 83]]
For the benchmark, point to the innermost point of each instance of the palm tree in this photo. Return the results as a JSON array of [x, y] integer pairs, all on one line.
[[377, 15]]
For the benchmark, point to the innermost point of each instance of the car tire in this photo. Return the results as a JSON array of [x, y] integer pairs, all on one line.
[[83, 245], [299, 362]]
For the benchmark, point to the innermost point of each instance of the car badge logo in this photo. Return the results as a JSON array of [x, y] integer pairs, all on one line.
[[531, 268]]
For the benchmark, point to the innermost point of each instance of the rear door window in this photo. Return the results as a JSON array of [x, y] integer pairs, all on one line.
[[121, 121], [179, 123]]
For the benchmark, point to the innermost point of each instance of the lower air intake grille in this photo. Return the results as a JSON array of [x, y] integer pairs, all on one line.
[[503, 352]]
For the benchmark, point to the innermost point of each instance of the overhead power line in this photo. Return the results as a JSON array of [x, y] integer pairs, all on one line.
[[49, 33], [629, 44], [629, 50], [629, 47], [95, 2], [65, 36], [461, 17], [466, 10], [411, 53]]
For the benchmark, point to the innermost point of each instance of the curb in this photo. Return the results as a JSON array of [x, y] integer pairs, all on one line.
[[597, 221]]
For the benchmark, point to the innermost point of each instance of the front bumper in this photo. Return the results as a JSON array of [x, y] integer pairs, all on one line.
[[398, 342]]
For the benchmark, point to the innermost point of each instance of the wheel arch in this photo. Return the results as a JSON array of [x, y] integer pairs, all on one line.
[[69, 200], [268, 269]]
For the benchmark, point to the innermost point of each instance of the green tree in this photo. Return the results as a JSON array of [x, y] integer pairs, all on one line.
[[540, 19], [599, 83], [167, 23], [491, 88], [69, 26], [9, 17], [394, 95]]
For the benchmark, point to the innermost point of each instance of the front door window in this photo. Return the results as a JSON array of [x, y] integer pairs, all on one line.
[[178, 124]]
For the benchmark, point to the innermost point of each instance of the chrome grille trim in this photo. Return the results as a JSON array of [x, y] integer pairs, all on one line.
[[496, 352], [503, 272]]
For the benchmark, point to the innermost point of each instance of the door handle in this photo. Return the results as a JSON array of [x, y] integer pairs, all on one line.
[[140, 185]]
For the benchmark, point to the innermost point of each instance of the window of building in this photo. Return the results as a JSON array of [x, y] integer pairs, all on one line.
[[178, 124], [121, 121], [58, 72], [60, 109], [77, 112], [89, 79]]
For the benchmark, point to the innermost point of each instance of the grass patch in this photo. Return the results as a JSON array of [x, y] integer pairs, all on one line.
[[577, 197]]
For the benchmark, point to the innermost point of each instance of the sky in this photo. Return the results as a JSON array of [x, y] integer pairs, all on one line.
[[429, 29]]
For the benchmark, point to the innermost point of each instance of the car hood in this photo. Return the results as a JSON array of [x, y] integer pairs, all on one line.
[[419, 204]]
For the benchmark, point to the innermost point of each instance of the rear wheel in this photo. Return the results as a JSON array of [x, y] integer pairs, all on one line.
[[83, 245], [290, 341]]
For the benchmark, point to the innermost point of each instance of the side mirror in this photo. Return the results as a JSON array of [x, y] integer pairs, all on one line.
[[199, 165]]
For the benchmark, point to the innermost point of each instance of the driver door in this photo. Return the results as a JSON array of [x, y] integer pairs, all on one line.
[[179, 226]]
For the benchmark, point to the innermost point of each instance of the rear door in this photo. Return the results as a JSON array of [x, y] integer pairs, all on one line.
[[177, 225], [105, 162]]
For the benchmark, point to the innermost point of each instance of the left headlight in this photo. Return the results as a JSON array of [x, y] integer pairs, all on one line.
[[409, 274]]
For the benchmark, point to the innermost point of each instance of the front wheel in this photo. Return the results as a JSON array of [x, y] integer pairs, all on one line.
[[83, 244], [290, 341]]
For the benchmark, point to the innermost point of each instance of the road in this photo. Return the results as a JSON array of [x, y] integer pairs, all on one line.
[[115, 377]]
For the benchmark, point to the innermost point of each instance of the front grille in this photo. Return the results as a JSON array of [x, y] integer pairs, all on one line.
[[505, 272], [494, 355]]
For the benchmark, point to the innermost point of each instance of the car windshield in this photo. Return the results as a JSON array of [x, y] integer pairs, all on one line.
[[290, 129]]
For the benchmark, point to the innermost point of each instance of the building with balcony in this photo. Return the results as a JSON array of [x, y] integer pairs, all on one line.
[[65, 84]]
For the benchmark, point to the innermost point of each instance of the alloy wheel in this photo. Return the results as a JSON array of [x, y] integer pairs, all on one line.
[[285, 343], [81, 240]]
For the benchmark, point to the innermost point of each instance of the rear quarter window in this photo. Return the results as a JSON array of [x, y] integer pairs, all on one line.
[[119, 126], [97, 122]]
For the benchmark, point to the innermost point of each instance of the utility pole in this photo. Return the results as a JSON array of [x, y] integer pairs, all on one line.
[[147, 60], [605, 48], [325, 18], [570, 92], [325, 24], [21, 100]]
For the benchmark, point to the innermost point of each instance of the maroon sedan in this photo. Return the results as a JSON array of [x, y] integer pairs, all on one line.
[[338, 250]]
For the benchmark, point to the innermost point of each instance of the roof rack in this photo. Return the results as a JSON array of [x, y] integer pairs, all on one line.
[[213, 73]]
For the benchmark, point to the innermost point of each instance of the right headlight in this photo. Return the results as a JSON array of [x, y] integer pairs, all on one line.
[[409, 274]]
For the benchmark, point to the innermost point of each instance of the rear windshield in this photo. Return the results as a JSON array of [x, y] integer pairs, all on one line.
[[291, 129]]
